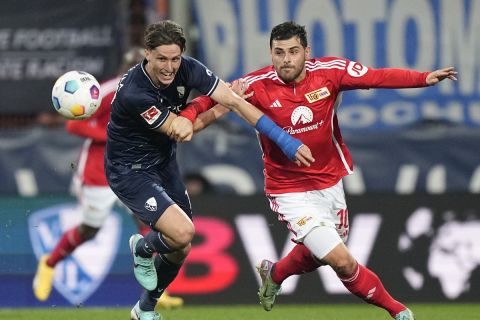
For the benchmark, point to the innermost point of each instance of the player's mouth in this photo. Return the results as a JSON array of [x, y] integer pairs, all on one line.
[[167, 74]]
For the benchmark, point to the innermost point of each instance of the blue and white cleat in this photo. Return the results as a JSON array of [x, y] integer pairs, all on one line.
[[139, 314], [143, 268], [406, 314]]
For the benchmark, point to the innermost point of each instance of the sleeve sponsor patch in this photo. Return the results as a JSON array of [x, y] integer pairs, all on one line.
[[151, 115], [356, 69]]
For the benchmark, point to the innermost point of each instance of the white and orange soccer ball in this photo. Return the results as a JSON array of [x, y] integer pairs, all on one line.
[[76, 95]]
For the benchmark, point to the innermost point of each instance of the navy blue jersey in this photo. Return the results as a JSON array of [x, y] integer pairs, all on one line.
[[140, 106]]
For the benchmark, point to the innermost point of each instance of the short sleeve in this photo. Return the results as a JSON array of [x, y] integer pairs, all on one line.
[[199, 76]]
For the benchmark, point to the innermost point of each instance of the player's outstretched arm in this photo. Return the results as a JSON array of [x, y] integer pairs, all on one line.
[[290, 146], [436, 76]]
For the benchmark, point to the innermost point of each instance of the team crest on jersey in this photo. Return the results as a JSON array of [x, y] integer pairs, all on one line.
[[181, 91], [151, 115], [318, 94], [151, 204], [78, 276]]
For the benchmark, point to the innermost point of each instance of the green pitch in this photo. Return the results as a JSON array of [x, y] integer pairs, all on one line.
[[248, 312]]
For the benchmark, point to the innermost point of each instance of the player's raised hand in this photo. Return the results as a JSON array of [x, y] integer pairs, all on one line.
[[441, 74], [240, 86], [304, 156], [181, 129]]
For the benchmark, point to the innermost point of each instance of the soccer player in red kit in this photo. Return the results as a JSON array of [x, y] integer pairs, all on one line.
[[94, 195], [301, 95]]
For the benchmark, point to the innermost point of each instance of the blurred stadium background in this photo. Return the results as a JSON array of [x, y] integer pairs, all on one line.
[[413, 200]]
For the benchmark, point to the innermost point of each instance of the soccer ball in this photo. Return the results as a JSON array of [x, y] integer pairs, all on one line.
[[76, 95]]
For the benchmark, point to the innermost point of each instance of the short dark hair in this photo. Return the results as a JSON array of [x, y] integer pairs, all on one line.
[[287, 30], [164, 33]]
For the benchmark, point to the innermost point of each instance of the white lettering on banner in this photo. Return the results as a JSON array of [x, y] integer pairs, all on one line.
[[421, 13], [399, 112], [475, 181], [256, 38], [61, 38], [5, 35], [460, 44], [407, 179], [220, 36], [444, 34], [313, 13], [258, 242], [436, 180]]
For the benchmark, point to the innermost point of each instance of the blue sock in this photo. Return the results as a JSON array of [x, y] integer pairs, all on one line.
[[166, 271], [153, 242]]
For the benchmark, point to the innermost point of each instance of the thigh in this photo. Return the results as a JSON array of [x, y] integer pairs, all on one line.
[[96, 203], [303, 211], [175, 188], [339, 212], [142, 192]]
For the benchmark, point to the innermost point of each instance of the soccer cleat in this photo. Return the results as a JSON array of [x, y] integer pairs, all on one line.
[[143, 268], [406, 314], [269, 289], [43, 280], [166, 301], [139, 314]]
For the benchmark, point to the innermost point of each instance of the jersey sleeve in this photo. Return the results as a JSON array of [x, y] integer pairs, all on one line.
[[200, 77], [358, 76], [152, 114]]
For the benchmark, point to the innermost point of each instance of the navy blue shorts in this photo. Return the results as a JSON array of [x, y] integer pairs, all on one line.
[[149, 192]]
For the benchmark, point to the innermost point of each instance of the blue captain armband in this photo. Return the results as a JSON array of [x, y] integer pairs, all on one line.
[[286, 142]]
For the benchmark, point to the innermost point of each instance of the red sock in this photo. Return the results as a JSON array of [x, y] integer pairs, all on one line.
[[299, 260], [69, 241], [366, 285]]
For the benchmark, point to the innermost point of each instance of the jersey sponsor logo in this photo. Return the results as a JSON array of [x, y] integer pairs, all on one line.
[[276, 104], [356, 69], [151, 115], [317, 95], [303, 221], [151, 204], [78, 276], [302, 115]]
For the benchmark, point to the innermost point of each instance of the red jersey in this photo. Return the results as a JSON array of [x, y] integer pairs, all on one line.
[[307, 111], [90, 168]]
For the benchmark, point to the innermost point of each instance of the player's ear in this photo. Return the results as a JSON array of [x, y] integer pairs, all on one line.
[[308, 51], [147, 54]]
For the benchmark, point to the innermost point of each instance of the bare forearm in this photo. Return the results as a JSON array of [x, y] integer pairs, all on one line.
[[208, 117]]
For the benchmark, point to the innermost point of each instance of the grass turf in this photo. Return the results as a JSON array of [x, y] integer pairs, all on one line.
[[249, 312]]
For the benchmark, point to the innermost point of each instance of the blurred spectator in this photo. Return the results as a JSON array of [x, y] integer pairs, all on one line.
[[197, 184]]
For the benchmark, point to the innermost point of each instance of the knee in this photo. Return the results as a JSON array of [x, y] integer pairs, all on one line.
[[344, 266], [183, 237]]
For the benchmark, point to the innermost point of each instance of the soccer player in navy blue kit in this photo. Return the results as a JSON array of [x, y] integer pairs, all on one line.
[[140, 158]]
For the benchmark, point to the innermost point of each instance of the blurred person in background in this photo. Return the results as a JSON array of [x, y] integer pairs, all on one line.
[[196, 184], [140, 158], [301, 95], [95, 197]]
